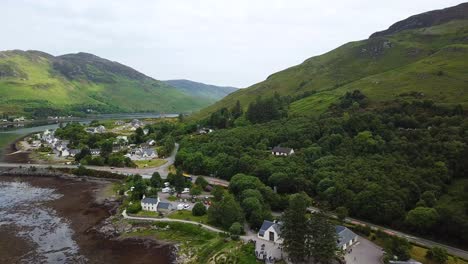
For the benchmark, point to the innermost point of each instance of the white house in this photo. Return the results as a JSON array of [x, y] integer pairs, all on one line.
[[100, 129], [151, 142], [73, 152], [64, 152], [346, 237], [95, 152], [270, 231], [280, 151], [150, 204]]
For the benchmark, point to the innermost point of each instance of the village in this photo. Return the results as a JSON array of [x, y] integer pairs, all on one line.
[[49, 147]]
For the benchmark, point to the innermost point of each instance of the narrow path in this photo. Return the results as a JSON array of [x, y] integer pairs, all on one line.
[[210, 228]]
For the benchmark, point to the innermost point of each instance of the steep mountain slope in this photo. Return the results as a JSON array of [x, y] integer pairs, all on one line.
[[196, 89], [407, 59], [36, 82]]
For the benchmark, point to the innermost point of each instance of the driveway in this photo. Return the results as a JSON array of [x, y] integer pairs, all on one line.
[[364, 252]]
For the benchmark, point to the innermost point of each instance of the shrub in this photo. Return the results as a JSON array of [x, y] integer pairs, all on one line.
[[198, 209], [236, 229], [438, 255], [134, 208]]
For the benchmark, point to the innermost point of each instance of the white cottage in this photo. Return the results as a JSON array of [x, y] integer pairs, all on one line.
[[270, 231], [280, 151], [150, 204]]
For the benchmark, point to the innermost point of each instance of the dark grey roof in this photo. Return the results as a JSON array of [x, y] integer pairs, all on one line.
[[267, 224], [344, 235], [282, 150], [150, 200], [164, 205], [74, 151]]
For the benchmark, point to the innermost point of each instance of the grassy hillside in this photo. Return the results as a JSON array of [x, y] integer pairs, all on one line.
[[196, 89], [426, 61], [32, 81]]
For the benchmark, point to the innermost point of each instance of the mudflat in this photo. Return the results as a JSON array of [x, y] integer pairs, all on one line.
[[54, 220]]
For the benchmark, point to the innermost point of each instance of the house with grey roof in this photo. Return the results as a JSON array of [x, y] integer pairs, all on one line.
[[346, 237], [270, 231], [150, 204], [164, 207], [280, 151]]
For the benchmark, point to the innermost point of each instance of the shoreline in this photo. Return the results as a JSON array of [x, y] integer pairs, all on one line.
[[87, 208]]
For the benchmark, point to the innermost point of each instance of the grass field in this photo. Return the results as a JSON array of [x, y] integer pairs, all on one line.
[[7, 138], [200, 245], [419, 253], [150, 163], [187, 215]]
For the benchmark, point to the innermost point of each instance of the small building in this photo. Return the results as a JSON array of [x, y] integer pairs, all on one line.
[[151, 142], [149, 154], [270, 231], [145, 131], [64, 152], [100, 129], [74, 152], [150, 204], [164, 207], [119, 123], [95, 152], [280, 151], [346, 237]]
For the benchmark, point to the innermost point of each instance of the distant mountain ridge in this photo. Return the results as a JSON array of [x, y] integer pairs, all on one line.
[[202, 90], [424, 57], [428, 19], [39, 83]]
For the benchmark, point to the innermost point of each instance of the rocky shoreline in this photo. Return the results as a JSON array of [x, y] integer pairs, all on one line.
[[91, 213]]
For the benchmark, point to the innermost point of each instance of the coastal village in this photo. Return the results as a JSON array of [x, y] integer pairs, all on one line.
[[182, 197]]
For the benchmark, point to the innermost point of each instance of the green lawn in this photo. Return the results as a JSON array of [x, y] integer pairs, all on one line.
[[150, 163], [201, 245], [7, 138], [419, 253], [187, 215], [172, 198], [147, 214]]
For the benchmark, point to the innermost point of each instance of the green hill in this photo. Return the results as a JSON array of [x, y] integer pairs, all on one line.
[[38, 83], [196, 89], [424, 55]]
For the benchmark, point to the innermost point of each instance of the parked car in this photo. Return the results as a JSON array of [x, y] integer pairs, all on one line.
[[186, 190], [166, 184], [186, 206], [166, 190]]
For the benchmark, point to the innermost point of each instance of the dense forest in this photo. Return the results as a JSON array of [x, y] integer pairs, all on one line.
[[402, 163]]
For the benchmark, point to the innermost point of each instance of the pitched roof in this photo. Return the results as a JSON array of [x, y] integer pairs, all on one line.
[[282, 150], [164, 205], [267, 224], [344, 235], [150, 200]]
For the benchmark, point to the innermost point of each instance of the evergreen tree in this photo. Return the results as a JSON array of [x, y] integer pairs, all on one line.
[[294, 225], [321, 239]]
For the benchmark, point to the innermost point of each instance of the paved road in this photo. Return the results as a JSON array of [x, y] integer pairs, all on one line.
[[416, 240], [207, 227]]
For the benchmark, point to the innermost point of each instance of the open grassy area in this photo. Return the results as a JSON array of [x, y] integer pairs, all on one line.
[[200, 245], [419, 253], [5, 139], [150, 163], [187, 215], [147, 214]]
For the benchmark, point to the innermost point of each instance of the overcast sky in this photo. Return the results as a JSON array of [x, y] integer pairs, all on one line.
[[237, 42]]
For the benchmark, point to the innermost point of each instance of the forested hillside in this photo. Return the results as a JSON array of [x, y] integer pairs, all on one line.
[[39, 84], [403, 164]]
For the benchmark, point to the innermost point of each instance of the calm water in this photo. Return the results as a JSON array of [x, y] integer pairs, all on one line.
[[21, 207]]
